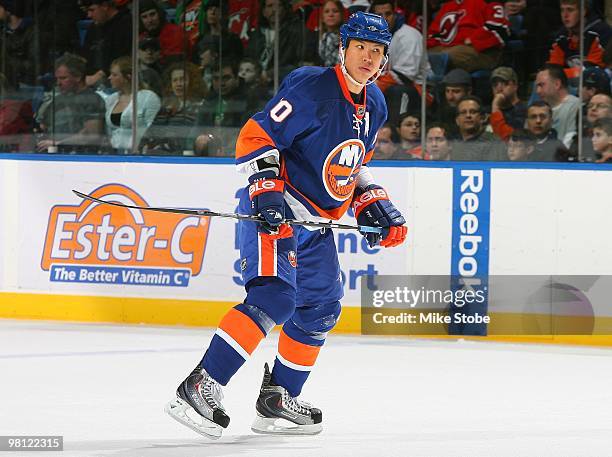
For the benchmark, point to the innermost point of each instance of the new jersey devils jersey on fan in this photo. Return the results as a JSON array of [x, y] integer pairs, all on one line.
[[483, 22], [320, 137]]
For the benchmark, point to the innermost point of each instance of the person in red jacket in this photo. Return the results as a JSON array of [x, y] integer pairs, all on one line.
[[172, 41], [471, 32], [16, 119]]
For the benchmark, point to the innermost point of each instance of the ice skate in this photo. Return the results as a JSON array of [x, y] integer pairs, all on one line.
[[278, 413], [198, 405]]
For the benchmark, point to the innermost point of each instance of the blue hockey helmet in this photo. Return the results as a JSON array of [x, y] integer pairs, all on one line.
[[366, 27]]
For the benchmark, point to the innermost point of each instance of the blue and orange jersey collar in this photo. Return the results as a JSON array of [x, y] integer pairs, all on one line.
[[359, 108]]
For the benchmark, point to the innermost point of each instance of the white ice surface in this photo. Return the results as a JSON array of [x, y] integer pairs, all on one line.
[[104, 388]]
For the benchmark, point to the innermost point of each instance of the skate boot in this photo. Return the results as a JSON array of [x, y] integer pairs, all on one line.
[[279, 413], [198, 405]]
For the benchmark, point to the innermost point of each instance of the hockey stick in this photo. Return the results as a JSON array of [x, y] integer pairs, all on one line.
[[242, 217]]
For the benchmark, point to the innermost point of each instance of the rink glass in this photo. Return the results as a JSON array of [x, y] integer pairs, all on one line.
[[185, 125]]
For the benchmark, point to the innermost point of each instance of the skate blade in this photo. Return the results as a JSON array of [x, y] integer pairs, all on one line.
[[280, 426], [182, 412]]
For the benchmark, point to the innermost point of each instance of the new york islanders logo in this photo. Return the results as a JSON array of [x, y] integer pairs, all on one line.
[[95, 243], [292, 257], [341, 168]]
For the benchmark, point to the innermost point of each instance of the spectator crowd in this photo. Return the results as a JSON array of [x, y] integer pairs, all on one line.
[[497, 80]]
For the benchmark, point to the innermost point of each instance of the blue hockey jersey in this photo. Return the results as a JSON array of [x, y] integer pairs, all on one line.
[[320, 137]]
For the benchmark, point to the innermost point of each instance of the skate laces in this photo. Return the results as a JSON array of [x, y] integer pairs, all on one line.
[[295, 405], [211, 392]]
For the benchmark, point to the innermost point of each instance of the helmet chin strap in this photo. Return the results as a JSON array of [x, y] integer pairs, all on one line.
[[353, 80]]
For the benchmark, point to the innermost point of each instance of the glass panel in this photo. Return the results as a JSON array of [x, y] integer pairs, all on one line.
[[71, 47], [205, 66], [19, 68], [168, 79], [204, 103], [506, 76]]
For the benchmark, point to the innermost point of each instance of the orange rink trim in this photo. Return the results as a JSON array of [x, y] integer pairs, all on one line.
[[241, 329], [296, 353], [208, 313]]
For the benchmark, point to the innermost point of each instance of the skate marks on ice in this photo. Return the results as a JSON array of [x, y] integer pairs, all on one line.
[[227, 446], [458, 443], [104, 387]]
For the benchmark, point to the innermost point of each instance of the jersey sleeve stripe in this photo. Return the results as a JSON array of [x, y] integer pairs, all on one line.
[[248, 164], [257, 154], [267, 256], [368, 156], [252, 139]]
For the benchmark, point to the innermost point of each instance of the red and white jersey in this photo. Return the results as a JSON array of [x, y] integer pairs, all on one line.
[[242, 17], [483, 22]]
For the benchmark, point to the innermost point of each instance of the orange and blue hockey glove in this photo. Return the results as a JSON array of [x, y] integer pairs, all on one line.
[[372, 207], [266, 193]]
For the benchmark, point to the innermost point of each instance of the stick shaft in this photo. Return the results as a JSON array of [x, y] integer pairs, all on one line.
[[242, 217]]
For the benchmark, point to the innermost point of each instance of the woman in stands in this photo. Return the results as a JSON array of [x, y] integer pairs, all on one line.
[[332, 17], [183, 90], [119, 107]]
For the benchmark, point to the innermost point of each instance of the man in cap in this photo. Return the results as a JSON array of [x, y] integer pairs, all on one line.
[[173, 43], [595, 81], [149, 60], [506, 106], [457, 84], [108, 38]]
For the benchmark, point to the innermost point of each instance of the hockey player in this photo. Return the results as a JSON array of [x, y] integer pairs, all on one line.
[[305, 156]]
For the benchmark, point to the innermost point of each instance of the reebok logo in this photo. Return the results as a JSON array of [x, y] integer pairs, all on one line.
[[470, 248], [468, 223]]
